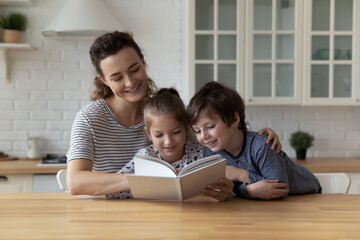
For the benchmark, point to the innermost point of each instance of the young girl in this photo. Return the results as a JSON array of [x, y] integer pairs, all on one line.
[[167, 129]]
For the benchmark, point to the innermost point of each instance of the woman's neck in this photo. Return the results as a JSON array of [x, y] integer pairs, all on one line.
[[127, 113], [236, 143]]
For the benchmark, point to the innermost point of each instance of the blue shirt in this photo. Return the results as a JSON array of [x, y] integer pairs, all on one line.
[[263, 163]]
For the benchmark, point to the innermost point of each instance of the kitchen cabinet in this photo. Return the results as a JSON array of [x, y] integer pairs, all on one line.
[[16, 183], [273, 52], [277, 51], [332, 52], [17, 2], [25, 175], [45, 183], [216, 43], [4, 48]]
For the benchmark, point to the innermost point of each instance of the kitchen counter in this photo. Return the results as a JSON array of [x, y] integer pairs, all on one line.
[[27, 166], [330, 165], [62, 216]]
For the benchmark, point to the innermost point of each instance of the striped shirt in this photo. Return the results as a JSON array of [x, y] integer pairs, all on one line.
[[97, 135]]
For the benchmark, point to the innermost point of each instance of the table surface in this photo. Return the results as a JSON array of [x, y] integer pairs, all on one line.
[[62, 216]]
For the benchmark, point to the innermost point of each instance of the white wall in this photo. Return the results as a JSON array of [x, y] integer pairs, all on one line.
[[53, 81]]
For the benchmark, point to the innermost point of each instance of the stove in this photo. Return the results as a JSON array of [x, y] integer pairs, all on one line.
[[53, 160]]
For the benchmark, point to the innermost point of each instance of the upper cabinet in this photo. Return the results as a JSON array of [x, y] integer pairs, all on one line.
[[17, 2], [5, 47], [277, 51], [216, 43], [332, 52], [273, 51]]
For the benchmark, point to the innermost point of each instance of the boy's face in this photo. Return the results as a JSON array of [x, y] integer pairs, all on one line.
[[168, 136], [213, 133]]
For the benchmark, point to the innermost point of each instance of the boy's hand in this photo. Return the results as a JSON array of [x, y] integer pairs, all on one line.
[[236, 174], [267, 189], [272, 136], [221, 190]]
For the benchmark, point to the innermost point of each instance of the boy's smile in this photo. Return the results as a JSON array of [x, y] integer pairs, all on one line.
[[213, 133]]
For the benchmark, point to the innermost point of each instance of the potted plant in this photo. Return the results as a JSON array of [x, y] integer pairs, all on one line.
[[301, 141], [12, 24]]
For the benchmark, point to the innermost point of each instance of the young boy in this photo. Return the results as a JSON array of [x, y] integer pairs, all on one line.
[[217, 115]]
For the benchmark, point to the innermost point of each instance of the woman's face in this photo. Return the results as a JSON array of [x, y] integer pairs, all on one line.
[[124, 72]]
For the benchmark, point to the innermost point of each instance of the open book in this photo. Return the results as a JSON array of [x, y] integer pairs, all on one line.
[[156, 179]]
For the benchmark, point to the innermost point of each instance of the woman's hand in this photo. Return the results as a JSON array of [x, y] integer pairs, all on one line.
[[272, 136], [221, 190], [236, 174], [267, 189]]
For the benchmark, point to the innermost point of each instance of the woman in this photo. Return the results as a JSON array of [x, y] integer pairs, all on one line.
[[107, 132]]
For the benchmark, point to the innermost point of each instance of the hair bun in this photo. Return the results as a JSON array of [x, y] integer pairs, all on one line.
[[168, 90]]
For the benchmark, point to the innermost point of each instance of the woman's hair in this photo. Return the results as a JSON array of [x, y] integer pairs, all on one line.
[[215, 98], [107, 45], [166, 102]]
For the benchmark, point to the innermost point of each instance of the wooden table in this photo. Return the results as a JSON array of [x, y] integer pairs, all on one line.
[[62, 216]]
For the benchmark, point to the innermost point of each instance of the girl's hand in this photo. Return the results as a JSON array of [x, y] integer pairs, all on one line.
[[272, 136], [221, 190], [236, 174], [267, 189]]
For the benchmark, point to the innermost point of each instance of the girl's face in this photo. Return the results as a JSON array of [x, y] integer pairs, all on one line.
[[124, 72], [168, 136], [212, 132]]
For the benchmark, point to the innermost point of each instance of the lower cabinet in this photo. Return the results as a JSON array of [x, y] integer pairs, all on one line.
[[16, 183], [28, 183], [45, 183]]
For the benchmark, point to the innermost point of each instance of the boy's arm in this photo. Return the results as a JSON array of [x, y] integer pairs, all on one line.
[[236, 174], [265, 189], [272, 167]]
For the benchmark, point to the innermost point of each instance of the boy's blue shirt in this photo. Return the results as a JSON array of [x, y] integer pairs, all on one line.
[[263, 163]]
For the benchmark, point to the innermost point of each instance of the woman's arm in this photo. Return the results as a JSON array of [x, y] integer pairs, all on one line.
[[81, 180]]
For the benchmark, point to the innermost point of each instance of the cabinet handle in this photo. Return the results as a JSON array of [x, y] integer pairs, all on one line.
[[3, 178]]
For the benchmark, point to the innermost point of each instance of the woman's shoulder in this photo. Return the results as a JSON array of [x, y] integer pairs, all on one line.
[[93, 107]]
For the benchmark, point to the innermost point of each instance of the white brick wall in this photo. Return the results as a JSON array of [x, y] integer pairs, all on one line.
[[53, 81]]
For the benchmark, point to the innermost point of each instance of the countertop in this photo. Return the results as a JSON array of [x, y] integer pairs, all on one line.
[[316, 165], [322, 165], [27, 166], [62, 216]]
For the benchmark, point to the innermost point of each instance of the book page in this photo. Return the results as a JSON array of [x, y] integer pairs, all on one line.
[[199, 164], [150, 166]]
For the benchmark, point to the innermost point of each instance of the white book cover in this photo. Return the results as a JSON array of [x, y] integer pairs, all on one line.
[[156, 179]]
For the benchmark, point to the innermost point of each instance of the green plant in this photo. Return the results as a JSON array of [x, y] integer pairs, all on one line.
[[14, 21], [301, 140]]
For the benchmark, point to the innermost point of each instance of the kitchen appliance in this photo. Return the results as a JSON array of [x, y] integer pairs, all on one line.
[[53, 160], [33, 147], [82, 18]]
